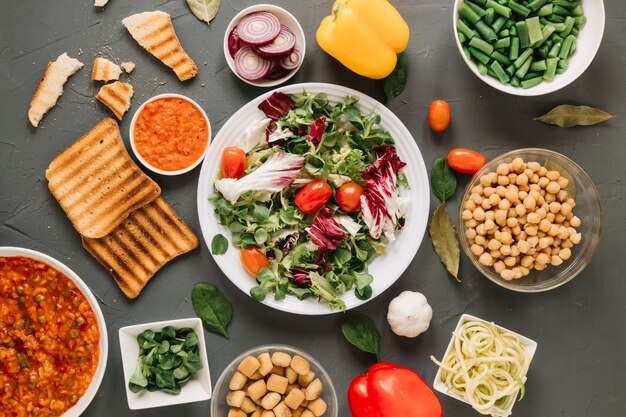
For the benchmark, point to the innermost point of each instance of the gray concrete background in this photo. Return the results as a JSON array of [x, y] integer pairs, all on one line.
[[581, 327]]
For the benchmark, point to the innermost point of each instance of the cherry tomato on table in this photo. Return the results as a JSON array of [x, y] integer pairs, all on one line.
[[439, 115], [313, 196], [253, 260], [233, 162], [349, 196], [466, 161]]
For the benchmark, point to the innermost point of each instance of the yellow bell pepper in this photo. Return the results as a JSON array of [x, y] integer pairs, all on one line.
[[364, 35]]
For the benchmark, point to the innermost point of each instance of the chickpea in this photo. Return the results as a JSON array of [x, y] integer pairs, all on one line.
[[477, 250], [489, 224], [476, 198], [522, 179], [490, 215], [499, 267], [526, 271], [512, 222], [571, 202], [565, 254], [539, 267], [553, 175], [518, 164], [553, 187], [544, 242], [480, 240], [534, 166], [480, 229], [518, 272], [507, 274], [533, 179], [517, 230], [563, 182], [533, 218], [567, 244], [542, 259], [550, 217], [575, 238], [505, 250], [523, 246], [512, 178], [527, 261], [485, 181], [486, 205], [471, 223], [529, 202], [543, 182], [524, 189], [477, 189], [494, 244], [561, 195], [469, 205], [549, 198], [489, 191], [566, 209], [522, 195], [554, 230], [503, 180], [515, 251], [511, 195], [470, 233], [486, 259], [559, 218], [555, 260], [541, 212], [533, 241], [575, 222], [495, 254], [503, 169], [466, 215], [522, 220], [504, 204], [494, 199], [520, 210], [506, 238], [500, 190]]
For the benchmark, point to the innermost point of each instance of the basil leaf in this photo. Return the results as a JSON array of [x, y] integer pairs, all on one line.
[[212, 307], [444, 240], [360, 330], [204, 10], [442, 179], [567, 115], [396, 81], [219, 244]]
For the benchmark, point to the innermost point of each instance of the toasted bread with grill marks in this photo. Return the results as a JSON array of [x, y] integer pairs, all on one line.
[[105, 70], [97, 183], [50, 87], [154, 31], [151, 237], [116, 96]]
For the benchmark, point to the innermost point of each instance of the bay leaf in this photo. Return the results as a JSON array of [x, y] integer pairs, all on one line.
[[567, 115], [571, 186], [204, 10], [444, 240], [442, 179]]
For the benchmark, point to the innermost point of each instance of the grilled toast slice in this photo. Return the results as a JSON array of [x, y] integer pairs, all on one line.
[[151, 237], [116, 96], [154, 31], [97, 183], [105, 70], [50, 87]]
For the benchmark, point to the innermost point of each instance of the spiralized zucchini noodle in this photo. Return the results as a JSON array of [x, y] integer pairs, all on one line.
[[487, 367]]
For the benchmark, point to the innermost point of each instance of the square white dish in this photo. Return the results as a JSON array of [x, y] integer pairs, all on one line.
[[198, 388], [529, 344]]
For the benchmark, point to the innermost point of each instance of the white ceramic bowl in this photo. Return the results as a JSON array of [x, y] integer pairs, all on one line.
[[587, 45], [86, 399], [198, 388], [286, 19], [439, 385], [387, 268], [146, 163]]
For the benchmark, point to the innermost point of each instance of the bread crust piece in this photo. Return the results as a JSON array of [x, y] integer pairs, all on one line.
[[154, 31], [105, 70], [97, 183], [151, 237], [116, 96], [50, 87]]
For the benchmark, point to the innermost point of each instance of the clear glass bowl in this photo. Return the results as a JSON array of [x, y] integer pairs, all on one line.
[[587, 208], [219, 408]]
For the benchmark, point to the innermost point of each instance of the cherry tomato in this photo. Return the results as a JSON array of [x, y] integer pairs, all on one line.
[[313, 196], [466, 161], [349, 196], [253, 260], [439, 115], [233, 162]]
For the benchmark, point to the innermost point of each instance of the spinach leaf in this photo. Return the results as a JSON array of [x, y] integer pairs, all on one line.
[[219, 244], [257, 293], [396, 81], [212, 307], [361, 331], [442, 179]]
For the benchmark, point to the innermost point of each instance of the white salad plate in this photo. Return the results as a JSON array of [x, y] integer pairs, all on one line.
[[385, 269]]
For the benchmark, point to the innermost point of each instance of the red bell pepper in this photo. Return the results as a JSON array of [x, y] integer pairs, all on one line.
[[388, 390]]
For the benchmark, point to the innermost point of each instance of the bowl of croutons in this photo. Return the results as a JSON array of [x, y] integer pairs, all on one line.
[[274, 381], [530, 220]]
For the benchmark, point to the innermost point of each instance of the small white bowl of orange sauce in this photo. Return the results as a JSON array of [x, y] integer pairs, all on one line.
[[170, 134]]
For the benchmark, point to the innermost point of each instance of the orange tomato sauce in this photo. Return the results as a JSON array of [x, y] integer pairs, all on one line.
[[170, 133], [49, 340]]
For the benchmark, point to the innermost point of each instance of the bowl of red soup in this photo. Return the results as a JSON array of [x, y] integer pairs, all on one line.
[[170, 134], [53, 342]]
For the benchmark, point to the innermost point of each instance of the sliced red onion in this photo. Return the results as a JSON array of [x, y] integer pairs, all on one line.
[[250, 65], [258, 28], [281, 45], [233, 42], [291, 61], [277, 73]]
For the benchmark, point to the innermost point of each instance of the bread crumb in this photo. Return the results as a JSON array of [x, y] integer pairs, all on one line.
[[128, 66]]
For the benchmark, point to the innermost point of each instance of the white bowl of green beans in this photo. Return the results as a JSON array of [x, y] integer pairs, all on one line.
[[528, 47]]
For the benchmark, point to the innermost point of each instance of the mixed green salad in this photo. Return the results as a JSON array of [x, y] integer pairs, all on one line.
[[310, 193]]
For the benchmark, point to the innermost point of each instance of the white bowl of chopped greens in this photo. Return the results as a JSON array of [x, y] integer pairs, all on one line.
[[528, 47], [309, 245]]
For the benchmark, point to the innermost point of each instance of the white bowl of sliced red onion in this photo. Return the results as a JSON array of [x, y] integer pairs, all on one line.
[[264, 45]]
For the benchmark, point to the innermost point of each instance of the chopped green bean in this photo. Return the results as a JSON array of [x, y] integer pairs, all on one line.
[[515, 81], [502, 43], [580, 20], [489, 16], [569, 25], [536, 4], [514, 49], [578, 11], [479, 55], [476, 8], [467, 52], [510, 70], [560, 70], [545, 10], [563, 64], [523, 57], [550, 68], [534, 29], [499, 8], [556, 18], [538, 65], [521, 71], [497, 69], [567, 44], [522, 33], [462, 37], [546, 32], [481, 2], [565, 3], [531, 83], [481, 45], [542, 53], [498, 23], [485, 31], [504, 33], [468, 13], [482, 68], [554, 51], [530, 75], [463, 28], [519, 8], [561, 11], [501, 58], [573, 48]]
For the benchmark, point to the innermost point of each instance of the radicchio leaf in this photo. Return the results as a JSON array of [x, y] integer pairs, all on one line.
[[317, 130], [276, 173], [300, 275], [277, 105], [380, 204], [325, 232], [289, 242], [323, 261]]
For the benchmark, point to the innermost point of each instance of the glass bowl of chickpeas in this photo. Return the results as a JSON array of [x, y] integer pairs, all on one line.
[[274, 381], [530, 220]]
